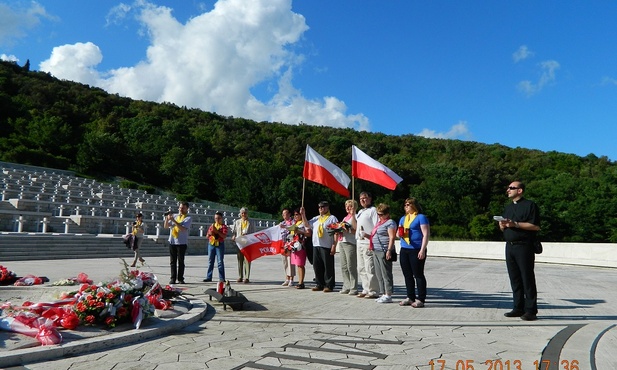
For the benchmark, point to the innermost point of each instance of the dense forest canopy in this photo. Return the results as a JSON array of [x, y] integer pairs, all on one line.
[[201, 155]]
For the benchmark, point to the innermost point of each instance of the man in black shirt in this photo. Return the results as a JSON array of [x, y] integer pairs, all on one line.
[[521, 224]]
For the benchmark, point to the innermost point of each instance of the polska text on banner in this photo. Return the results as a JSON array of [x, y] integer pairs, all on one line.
[[266, 242]]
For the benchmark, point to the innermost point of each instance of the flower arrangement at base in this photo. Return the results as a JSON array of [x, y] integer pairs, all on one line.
[[121, 300], [132, 297], [338, 227]]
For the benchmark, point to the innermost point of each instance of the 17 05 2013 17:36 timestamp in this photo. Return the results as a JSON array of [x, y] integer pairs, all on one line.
[[465, 364]]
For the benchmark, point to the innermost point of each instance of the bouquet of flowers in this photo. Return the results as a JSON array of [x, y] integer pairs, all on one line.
[[108, 305], [39, 320], [338, 227], [292, 244], [33, 326], [31, 280], [7, 276], [117, 301], [80, 279], [132, 297]]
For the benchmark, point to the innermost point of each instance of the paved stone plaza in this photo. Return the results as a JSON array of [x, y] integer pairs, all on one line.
[[461, 327]]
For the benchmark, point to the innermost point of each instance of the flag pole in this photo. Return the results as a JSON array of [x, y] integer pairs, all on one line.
[[353, 180], [303, 186]]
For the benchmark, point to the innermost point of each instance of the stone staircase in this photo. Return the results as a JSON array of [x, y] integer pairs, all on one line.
[[37, 246], [53, 214], [21, 247]]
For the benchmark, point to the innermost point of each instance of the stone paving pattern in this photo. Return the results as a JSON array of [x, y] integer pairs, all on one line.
[[461, 327]]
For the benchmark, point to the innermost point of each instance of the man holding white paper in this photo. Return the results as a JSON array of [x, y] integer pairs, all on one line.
[[520, 224]]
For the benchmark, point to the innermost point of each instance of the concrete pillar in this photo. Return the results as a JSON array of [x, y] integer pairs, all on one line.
[[44, 222], [20, 224]]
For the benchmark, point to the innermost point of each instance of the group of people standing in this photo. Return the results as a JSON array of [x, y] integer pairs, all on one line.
[[365, 242]]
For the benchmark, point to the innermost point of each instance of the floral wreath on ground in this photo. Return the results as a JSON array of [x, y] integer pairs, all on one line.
[[132, 297]]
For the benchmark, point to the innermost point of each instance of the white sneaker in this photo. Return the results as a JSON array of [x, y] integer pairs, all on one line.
[[384, 299], [285, 283]]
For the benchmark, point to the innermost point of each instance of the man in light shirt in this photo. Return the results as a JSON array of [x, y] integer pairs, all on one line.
[[366, 220], [179, 224]]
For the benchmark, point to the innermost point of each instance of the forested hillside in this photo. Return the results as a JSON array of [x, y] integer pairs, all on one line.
[[461, 184]]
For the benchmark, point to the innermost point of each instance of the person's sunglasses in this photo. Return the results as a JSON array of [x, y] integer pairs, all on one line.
[[513, 188]]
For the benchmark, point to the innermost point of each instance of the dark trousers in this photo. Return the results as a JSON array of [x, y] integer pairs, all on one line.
[[520, 259], [413, 271], [323, 265], [176, 261]]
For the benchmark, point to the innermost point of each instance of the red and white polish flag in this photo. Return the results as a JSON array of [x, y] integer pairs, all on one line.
[[366, 168], [324, 172], [266, 242]]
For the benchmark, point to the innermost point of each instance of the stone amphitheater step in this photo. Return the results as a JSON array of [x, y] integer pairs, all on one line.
[[36, 246]]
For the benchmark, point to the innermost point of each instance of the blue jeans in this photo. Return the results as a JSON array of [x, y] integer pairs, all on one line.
[[219, 253]]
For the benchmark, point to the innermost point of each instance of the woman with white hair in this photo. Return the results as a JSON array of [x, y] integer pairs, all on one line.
[[243, 226]]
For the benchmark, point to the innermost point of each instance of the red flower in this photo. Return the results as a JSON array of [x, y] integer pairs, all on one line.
[[110, 321], [70, 321], [81, 307], [100, 295], [122, 311], [110, 296], [84, 287], [90, 319]]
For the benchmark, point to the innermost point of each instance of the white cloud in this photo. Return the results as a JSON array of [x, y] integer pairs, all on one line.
[[75, 62], [117, 14], [9, 58], [546, 77], [459, 131], [609, 81], [211, 62], [16, 21], [522, 53]]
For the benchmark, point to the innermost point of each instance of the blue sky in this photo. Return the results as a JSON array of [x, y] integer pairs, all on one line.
[[532, 74]]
